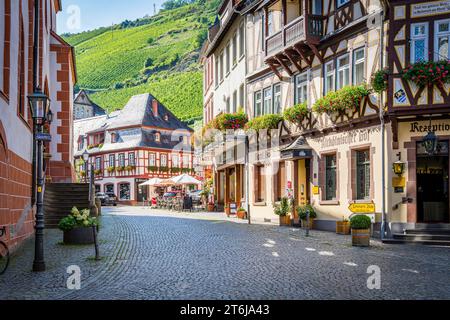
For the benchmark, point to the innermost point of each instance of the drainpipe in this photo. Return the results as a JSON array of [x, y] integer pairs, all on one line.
[[383, 134]]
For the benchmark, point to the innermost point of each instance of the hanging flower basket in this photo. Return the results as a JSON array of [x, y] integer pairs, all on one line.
[[428, 73], [379, 80]]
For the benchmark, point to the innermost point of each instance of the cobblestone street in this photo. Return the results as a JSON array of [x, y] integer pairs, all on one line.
[[156, 255]]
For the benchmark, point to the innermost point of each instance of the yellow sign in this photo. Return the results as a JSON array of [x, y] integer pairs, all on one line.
[[39, 189], [316, 190], [362, 207], [399, 182]]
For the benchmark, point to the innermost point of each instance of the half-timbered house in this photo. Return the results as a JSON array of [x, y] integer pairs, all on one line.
[[144, 140]]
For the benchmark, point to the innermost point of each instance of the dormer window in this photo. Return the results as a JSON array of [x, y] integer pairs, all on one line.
[[166, 117], [113, 137], [158, 137]]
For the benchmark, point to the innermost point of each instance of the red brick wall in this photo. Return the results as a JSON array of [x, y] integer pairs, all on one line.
[[15, 195]]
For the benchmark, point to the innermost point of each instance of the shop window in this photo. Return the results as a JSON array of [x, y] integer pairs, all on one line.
[[280, 181], [362, 175], [359, 66], [330, 177], [419, 42], [124, 191], [343, 71], [260, 184], [301, 88]]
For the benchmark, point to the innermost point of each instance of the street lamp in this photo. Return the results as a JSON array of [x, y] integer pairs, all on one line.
[[85, 159], [430, 142], [39, 106]]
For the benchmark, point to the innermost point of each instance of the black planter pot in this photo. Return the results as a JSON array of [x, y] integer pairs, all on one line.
[[79, 236]]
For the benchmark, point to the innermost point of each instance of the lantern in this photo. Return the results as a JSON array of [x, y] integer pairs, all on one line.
[[399, 168], [39, 105], [430, 143]]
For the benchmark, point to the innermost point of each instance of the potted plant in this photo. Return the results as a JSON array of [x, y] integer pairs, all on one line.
[[241, 213], [211, 206], [77, 227], [360, 226], [227, 210], [283, 210], [303, 214], [343, 227]]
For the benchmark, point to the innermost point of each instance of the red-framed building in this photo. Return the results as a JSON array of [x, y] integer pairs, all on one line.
[[128, 147]]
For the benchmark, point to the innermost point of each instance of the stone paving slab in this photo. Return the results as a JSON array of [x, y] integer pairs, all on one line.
[[157, 255]]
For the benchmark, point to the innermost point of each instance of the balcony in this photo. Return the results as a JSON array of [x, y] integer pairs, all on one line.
[[308, 28]]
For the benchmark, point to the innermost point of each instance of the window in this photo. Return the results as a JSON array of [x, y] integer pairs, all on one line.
[[267, 101], [343, 71], [442, 35], [419, 42], [152, 159], [124, 191], [3, 29], [330, 177], [221, 67], [163, 160], [186, 161], [227, 59], [359, 66], [235, 98], [227, 105], [122, 160], [113, 137], [329, 77], [217, 72], [112, 160], [260, 184], [234, 49], [362, 175], [258, 104], [175, 161], [21, 84], [98, 163], [132, 159], [80, 143], [158, 137], [281, 181], [277, 99], [340, 3], [301, 88], [241, 40], [109, 188], [241, 96]]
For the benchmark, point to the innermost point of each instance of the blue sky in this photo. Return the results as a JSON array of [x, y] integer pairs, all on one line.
[[101, 13]]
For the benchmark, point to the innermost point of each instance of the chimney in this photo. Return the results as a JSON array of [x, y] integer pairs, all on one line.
[[155, 107]]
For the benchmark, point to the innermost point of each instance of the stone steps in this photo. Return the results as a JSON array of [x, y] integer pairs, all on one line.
[[436, 234], [60, 198]]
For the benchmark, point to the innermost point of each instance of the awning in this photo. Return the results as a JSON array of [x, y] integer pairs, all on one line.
[[300, 149]]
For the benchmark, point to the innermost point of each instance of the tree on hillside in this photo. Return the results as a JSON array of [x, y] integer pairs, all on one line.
[[173, 4]]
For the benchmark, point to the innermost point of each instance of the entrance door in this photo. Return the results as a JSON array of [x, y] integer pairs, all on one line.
[[304, 178], [433, 184]]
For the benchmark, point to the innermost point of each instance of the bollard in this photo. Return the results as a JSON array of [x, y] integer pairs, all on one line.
[[307, 222], [97, 253]]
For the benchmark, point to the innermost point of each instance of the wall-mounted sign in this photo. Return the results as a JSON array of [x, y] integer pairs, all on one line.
[[430, 8], [316, 190], [362, 207], [233, 208], [347, 138], [43, 137], [398, 182], [400, 96]]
